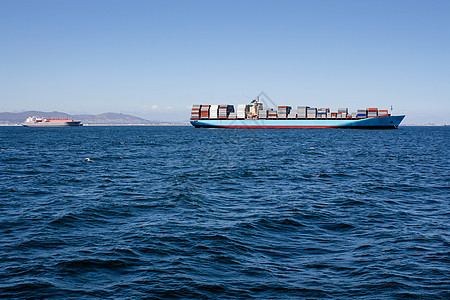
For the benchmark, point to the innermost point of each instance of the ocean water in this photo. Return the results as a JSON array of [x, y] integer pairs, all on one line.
[[178, 212]]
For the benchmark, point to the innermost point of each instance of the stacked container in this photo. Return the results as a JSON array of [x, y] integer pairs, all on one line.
[[232, 115], [241, 111], [311, 113], [262, 114], [292, 114], [361, 113], [204, 112], [383, 113], [253, 111], [322, 113], [225, 110], [301, 112], [195, 112], [272, 114], [372, 112], [283, 111], [342, 113], [213, 111]]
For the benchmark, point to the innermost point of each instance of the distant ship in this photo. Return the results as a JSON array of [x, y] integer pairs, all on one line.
[[45, 122], [255, 116]]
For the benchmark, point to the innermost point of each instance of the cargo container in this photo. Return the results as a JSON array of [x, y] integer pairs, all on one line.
[[213, 111]]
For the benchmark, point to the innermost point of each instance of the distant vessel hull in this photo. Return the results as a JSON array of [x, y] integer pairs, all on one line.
[[54, 124], [384, 122]]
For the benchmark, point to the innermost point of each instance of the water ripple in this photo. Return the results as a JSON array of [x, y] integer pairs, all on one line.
[[175, 212]]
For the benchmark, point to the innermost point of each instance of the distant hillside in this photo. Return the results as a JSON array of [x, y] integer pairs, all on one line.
[[7, 118], [111, 118]]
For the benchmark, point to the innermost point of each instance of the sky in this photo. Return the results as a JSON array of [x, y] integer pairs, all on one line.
[[154, 59]]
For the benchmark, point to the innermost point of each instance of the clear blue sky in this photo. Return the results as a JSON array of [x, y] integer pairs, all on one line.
[[156, 58]]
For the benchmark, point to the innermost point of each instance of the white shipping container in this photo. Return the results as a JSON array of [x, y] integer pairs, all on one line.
[[213, 110]]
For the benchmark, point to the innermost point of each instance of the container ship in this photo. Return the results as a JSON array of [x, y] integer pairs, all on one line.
[[44, 122], [254, 115]]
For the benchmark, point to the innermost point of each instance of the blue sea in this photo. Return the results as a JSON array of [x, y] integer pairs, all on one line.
[[179, 212]]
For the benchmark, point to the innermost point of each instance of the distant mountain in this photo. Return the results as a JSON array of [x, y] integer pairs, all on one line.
[[8, 118], [111, 118]]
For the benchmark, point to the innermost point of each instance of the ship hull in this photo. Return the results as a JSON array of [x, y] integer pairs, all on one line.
[[53, 124], [387, 122]]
